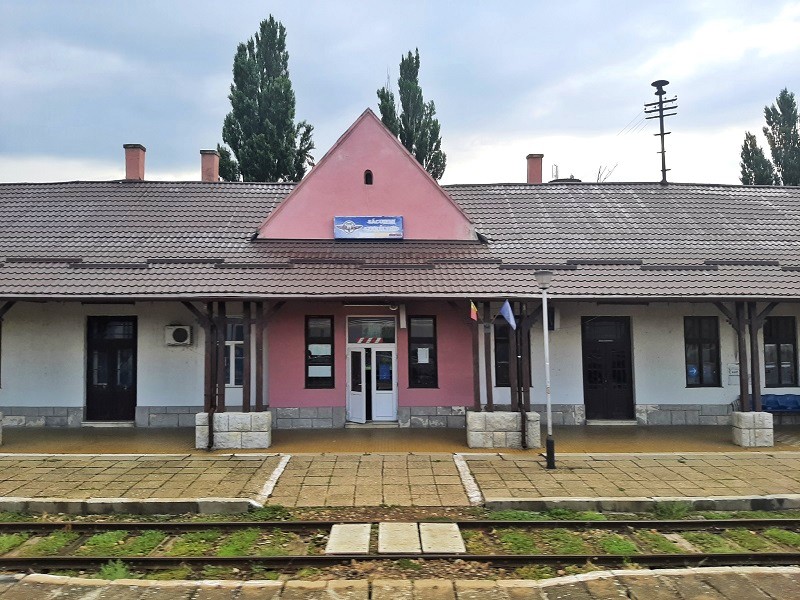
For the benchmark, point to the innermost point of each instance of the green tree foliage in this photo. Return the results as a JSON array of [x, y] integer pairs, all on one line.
[[260, 129], [783, 137], [416, 126], [756, 168], [228, 167]]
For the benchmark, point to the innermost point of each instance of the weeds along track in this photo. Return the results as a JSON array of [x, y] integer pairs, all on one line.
[[289, 546]]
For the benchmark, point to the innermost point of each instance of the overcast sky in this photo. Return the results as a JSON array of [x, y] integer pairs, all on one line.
[[567, 79]]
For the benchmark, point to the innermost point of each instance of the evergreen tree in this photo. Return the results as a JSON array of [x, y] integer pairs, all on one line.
[[260, 129], [228, 167], [416, 126], [783, 137], [756, 168]]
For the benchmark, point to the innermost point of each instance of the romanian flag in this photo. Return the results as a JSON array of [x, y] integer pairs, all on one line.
[[473, 311]]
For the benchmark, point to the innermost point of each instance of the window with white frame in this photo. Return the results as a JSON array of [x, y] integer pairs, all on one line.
[[234, 352]]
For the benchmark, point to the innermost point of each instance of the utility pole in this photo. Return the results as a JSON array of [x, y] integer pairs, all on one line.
[[657, 110]]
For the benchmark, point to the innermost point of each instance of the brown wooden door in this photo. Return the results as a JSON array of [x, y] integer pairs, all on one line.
[[607, 372], [111, 369]]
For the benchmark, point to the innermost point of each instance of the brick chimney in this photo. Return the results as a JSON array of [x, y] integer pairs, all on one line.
[[134, 161], [535, 168], [209, 165]]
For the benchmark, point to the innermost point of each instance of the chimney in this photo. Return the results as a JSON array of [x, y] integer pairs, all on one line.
[[535, 168], [134, 161], [209, 165]]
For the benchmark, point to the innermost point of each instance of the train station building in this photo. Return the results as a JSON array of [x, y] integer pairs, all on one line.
[[368, 293]]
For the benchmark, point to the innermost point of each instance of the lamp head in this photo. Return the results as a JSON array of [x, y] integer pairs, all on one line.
[[543, 278]]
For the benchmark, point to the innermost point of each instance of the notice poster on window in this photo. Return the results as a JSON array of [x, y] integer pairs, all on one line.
[[423, 356]]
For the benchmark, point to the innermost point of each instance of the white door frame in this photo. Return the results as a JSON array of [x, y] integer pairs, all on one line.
[[356, 401], [356, 411]]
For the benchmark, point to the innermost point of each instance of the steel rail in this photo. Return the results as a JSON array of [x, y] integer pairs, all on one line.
[[187, 526], [296, 562]]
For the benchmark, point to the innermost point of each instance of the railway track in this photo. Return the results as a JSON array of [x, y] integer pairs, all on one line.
[[288, 546]]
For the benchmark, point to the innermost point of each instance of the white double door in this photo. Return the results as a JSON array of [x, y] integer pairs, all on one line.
[[371, 383]]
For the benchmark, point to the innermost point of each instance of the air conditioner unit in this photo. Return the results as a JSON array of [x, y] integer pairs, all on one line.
[[178, 335]]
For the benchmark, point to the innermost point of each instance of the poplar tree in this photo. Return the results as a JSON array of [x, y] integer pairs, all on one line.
[[756, 168], [266, 143], [416, 125], [783, 137]]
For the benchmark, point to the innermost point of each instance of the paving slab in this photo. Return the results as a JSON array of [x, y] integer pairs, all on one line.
[[715, 583], [473, 589], [348, 590], [434, 589], [392, 589], [398, 538], [648, 588], [349, 538], [441, 538], [370, 480], [735, 586], [711, 481]]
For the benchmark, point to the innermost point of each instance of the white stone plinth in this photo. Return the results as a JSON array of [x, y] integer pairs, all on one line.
[[752, 429], [235, 430], [501, 429]]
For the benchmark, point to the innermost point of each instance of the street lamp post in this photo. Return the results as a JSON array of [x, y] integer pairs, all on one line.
[[543, 279]]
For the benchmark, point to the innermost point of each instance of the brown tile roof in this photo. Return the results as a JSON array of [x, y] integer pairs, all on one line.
[[193, 239]]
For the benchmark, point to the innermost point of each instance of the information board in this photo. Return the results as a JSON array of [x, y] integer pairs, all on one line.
[[368, 228]]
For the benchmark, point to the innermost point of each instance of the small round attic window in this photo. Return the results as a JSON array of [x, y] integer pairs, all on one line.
[[367, 177]]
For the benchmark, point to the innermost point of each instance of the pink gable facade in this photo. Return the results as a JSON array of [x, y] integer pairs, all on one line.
[[340, 186]]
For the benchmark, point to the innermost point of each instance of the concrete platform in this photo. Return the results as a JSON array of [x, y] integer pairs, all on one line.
[[568, 439], [715, 583], [137, 484]]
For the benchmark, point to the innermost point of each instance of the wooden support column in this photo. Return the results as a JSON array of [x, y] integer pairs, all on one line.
[[3, 310], [476, 364], [247, 356], [487, 354], [259, 356], [744, 380], [210, 331], [755, 363], [222, 326], [513, 364], [756, 323], [525, 351]]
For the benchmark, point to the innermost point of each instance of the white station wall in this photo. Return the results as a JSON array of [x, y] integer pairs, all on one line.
[[44, 355], [659, 368]]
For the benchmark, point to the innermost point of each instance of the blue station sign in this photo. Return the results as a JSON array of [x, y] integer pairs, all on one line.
[[368, 228]]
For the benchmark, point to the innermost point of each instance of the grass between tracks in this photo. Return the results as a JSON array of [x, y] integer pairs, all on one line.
[[510, 538]]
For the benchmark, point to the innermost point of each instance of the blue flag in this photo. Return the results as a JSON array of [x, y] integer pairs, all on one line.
[[508, 314]]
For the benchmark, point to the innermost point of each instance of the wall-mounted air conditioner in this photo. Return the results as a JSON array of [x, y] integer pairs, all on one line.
[[178, 335]]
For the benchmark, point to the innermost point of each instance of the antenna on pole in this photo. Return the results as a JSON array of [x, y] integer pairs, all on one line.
[[658, 110]]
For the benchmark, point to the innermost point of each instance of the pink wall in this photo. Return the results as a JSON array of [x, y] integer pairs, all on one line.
[[335, 187], [286, 341]]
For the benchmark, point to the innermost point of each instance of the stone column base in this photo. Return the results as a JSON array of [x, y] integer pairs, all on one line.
[[752, 429], [1, 429], [533, 431], [501, 430], [235, 430]]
